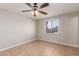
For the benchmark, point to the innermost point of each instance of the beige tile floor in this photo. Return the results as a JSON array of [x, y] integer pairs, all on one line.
[[41, 48]]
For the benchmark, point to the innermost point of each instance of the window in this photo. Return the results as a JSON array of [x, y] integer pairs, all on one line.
[[52, 26]]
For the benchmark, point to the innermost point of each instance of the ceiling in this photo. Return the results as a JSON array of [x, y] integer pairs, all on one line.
[[53, 9]]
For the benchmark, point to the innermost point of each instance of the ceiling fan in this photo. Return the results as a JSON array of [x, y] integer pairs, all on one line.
[[35, 8]]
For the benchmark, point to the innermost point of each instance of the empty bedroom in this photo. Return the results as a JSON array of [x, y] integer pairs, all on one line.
[[39, 29]]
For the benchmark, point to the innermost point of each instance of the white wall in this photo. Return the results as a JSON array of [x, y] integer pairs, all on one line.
[[15, 29], [68, 30]]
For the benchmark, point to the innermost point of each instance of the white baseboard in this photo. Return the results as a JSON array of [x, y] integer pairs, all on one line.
[[18, 44], [59, 42]]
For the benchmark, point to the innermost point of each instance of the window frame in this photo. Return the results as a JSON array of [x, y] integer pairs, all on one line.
[[51, 24]]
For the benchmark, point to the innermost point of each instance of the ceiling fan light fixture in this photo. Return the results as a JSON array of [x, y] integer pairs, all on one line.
[[35, 13]]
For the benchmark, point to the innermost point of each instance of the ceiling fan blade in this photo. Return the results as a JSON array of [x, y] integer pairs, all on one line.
[[26, 10], [29, 5], [43, 12], [44, 5]]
